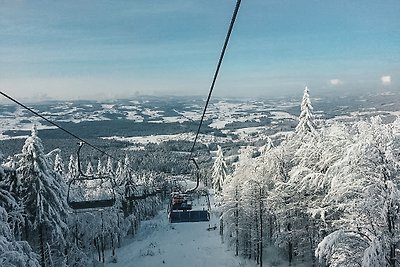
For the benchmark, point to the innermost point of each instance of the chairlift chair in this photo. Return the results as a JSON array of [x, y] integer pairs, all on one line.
[[180, 208], [80, 179], [132, 192]]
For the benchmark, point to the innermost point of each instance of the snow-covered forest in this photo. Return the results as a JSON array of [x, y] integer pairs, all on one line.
[[39, 228], [327, 195]]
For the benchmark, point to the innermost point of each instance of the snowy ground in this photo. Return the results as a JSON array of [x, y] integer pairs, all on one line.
[[160, 243]]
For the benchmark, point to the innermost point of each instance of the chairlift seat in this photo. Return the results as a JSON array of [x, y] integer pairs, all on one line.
[[136, 197], [91, 204], [189, 216]]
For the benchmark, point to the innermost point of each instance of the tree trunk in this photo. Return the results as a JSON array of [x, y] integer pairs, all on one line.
[[237, 231], [290, 251], [42, 248], [290, 245], [26, 229], [258, 252], [393, 255], [221, 227], [391, 226], [119, 235], [76, 234], [237, 222], [102, 236], [261, 229], [271, 228], [102, 247], [112, 245], [97, 245]]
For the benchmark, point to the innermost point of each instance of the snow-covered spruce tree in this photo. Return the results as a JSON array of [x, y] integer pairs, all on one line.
[[218, 171], [72, 169], [249, 197], [362, 203], [306, 118], [89, 169], [60, 176], [294, 174], [96, 188], [59, 165], [11, 180], [127, 183], [43, 200], [100, 168], [11, 187], [119, 173], [232, 195], [267, 147], [92, 189], [231, 211], [308, 184], [286, 221], [110, 167], [256, 214], [14, 253], [272, 176]]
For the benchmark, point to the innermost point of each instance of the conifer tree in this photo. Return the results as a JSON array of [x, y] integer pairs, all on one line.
[[119, 173], [89, 169], [109, 168], [218, 171], [43, 198], [14, 253], [72, 168], [306, 118], [59, 165]]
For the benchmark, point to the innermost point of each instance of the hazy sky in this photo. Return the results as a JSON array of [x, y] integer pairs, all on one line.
[[106, 49]]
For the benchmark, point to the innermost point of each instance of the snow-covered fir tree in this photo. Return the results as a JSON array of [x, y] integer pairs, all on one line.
[[43, 200], [119, 172], [364, 196], [110, 166], [14, 253], [306, 118], [218, 171], [59, 165], [267, 147], [89, 169], [72, 168]]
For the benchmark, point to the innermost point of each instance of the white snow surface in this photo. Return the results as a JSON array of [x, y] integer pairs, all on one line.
[[282, 115], [160, 243], [157, 139]]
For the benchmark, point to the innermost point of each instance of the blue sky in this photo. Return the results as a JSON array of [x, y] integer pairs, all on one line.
[[118, 49]]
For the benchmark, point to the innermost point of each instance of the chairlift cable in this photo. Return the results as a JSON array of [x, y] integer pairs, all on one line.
[[57, 125], [76, 205], [228, 35], [180, 210], [202, 117]]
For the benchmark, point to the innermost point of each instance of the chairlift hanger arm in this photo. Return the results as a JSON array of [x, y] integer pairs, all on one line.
[[197, 178], [78, 153]]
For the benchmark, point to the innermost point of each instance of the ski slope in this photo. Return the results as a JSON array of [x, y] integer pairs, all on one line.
[[160, 243]]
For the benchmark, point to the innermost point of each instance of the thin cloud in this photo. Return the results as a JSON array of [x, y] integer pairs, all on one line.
[[386, 80], [335, 82]]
